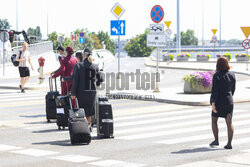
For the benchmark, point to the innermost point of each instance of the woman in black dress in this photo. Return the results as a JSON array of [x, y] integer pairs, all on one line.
[[85, 78], [222, 99]]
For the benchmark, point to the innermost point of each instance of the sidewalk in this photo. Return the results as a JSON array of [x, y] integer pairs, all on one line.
[[239, 160], [176, 96]]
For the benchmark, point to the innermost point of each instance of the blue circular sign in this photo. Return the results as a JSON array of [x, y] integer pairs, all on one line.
[[157, 14], [81, 34]]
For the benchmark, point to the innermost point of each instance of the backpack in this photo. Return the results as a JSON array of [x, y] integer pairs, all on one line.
[[14, 57]]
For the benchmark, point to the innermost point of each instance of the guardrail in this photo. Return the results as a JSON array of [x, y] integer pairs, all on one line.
[[34, 49]]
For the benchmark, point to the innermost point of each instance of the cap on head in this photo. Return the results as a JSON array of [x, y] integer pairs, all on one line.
[[70, 50]]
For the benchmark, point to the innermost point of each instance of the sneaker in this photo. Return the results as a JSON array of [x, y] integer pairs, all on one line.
[[22, 91]]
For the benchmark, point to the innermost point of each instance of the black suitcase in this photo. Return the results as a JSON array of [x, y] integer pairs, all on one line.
[[105, 123], [62, 113], [93, 119], [78, 126], [50, 101]]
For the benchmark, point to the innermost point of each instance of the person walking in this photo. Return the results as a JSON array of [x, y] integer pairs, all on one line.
[[66, 70], [41, 62], [86, 75], [24, 57], [221, 99]]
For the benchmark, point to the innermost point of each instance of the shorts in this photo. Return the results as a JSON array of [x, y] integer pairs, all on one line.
[[24, 72]]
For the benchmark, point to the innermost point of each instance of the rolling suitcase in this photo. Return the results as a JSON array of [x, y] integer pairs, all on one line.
[[62, 111], [78, 125], [50, 101], [93, 119], [105, 123]]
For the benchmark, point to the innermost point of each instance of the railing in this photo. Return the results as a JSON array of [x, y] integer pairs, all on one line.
[[34, 49]]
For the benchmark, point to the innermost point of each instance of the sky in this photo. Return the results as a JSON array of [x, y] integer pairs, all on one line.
[[64, 16]]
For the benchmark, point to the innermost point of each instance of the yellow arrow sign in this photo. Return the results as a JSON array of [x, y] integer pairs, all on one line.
[[168, 23], [246, 31], [214, 31]]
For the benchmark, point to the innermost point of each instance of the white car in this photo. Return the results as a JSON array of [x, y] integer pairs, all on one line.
[[98, 60]]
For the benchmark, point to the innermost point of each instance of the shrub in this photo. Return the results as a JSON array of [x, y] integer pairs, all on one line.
[[182, 55], [171, 57], [203, 55], [200, 78], [227, 55]]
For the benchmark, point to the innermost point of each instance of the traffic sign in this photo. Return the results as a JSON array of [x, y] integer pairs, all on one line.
[[168, 23], [60, 39], [246, 31], [117, 10], [157, 14], [81, 40], [81, 34], [156, 28], [168, 32], [214, 39], [214, 31], [4, 36], [156, 40], [246, 44], [74, 37], [117, 27]]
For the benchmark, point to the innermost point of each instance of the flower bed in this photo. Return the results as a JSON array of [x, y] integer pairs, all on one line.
[[198, 82], [227, 55], [242, 57], [183, 57], [168, 57], [203, 57]]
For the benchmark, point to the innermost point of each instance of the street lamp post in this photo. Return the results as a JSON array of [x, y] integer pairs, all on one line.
[[178, 36], [220, 23], [17, 22]]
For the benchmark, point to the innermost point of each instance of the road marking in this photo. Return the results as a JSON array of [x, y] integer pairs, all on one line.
[[176, 118], [200, 137], [166, 132], [19, 104], [75, 158], [35, 152], [115, 163], [22, 99], [8, 147]]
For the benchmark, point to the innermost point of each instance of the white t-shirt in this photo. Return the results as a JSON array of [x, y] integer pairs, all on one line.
[[25, 55]]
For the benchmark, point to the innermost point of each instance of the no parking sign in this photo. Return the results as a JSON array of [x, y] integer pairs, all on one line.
[[157, 14]]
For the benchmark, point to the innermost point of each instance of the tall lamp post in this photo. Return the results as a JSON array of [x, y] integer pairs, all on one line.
[[220, 24], [178, 36], [17, 22]]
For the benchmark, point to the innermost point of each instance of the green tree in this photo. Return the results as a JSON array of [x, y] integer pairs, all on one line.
[[53, 37], [34, 34], [97, 42], [89, 42], [188, 38], [104, 37], [137, 47], [4, 24]]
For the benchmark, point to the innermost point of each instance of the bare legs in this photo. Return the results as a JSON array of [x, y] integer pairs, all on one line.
[[230, 131], [23, 81], [89, 121]]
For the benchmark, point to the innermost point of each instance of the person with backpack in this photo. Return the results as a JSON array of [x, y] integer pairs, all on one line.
[[85, 78], [66, 70], [24, 59]]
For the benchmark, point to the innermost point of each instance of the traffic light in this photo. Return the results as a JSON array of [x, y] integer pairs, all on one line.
[[11, 36]]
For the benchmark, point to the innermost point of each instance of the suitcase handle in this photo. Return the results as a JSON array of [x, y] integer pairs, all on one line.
[[51, 84], [77, 104]]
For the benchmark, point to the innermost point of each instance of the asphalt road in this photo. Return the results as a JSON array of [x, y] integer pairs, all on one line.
[[147, 134]]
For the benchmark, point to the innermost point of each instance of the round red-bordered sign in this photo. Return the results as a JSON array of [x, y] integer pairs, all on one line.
[[246, 44], [157, 14]]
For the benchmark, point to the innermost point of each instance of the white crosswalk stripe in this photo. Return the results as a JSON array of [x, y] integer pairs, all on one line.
[[115, 163]]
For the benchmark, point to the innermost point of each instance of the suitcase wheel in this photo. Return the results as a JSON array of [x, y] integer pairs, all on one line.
[[59, 128], [63, 127], [48, 120]]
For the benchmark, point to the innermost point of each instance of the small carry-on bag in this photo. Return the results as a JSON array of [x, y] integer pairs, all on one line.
[[50, 101], [78, 125], [62, 111], [104, 115], [93, 119]]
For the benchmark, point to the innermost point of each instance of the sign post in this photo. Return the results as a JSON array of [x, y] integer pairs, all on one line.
[[214, 39], [246, 42], [168, 32], [157, 39], [118, 11], [61, 40], [4, 37]]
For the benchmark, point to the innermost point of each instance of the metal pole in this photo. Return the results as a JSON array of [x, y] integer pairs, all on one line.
[[17, 21], [178, 36], [4, 55], [47, 25], [203, 23], [220, 24], [157, 72], [214, 49], [247, 60], [118, 76]]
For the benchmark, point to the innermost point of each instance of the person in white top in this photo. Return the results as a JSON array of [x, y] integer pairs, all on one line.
[[24, 71]]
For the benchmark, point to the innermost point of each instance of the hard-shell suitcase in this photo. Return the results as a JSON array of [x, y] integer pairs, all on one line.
[[62, 113], [78, 125], [105, 123], [50, 101], [93, 119]]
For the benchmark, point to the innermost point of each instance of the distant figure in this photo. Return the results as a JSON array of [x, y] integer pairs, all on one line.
[[222, 100], [24, 71], [41, 62], [85, 78], [61, 55], [66, 70]]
